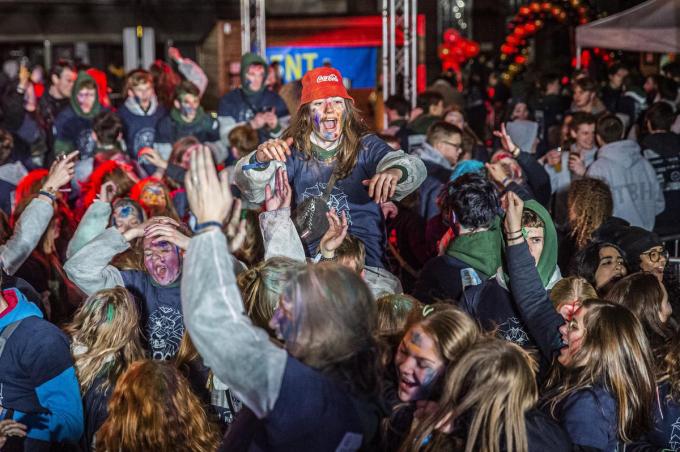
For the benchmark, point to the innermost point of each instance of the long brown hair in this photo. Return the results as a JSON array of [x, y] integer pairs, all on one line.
[[486, 395], [106, 336], [589, 203], [152, 408], [354, 128], [614, 353]]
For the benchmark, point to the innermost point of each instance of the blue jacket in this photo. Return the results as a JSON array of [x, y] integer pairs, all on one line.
[[37, 376], [242, 108], [139, 128], [73, 132]]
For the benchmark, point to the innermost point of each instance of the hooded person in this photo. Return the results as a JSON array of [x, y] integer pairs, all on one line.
[[141, 112], [74, 125], [491, 302], [330, 156], [253, 103]]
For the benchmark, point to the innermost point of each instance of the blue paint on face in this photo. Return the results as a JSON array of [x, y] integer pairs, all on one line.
[[281, 325]]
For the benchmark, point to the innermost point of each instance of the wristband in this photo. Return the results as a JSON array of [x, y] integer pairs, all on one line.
[[48, 194], [208, 224], [513, 232], [515, 152], [516, 237]]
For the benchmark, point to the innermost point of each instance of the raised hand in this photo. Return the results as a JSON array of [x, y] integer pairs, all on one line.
[[506, 141], [61, 172], [274, 150], [236, 227], [513, 206], [165, 232], [107, 191], [153, 157], [209, 196], [282, 195], [139, 230], [383, 185], [336, 233]]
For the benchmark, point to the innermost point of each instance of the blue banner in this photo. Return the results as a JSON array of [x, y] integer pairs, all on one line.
[[358, 64]]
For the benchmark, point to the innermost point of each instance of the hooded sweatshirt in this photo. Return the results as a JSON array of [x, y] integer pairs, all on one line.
[[239, 106], [73, 128], [635, 188], [438, 173], [139, 126], [663, 152], [37, 378], [492, 303]]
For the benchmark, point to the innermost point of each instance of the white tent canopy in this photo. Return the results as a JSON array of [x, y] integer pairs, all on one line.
[[653, 26]]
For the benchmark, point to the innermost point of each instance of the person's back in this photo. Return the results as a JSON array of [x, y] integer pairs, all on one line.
[[637, 195]]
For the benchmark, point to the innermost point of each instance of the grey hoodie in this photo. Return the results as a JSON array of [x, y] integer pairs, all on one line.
[[636, 191]]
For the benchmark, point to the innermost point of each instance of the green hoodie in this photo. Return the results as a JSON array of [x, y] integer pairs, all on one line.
[[247, 60], [480, 250], [96, 108]]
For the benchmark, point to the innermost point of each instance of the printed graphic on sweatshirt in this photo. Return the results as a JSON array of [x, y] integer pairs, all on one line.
[[85, 143], [513, 331], [338, 199], [674, 440], [165, 329], [144, 138]]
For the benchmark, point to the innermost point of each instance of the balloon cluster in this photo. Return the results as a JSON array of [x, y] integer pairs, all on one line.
[[530, 19], [456, 50]]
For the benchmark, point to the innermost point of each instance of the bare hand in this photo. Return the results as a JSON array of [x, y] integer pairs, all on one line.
[[336, 233], [258, 121], [174, 54], [61, 172], [153, 157], [167, 233], [506, 141], [496, 172], [383, 185], [108, 191], [236, 228], [389, 209], [209, 196], [271, 120], [553, 157], [274, 150], [282, 195], [9, 427], [513, 206], [576, 165], [138, 231]]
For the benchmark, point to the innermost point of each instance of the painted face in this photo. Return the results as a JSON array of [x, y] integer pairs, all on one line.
[[162, 261], [666, 309], [455, 118], [418, 364], [582, 98], [328, 118], [521, 111], [86, 97], [153, 195], [143, 93], [254, 77], [188, 106], [654, 260], [572, 333], [126, 216], [584, 136], [64, 83], [282, 320], [186, 157], [451, 148], [611, 266], [535, 240]]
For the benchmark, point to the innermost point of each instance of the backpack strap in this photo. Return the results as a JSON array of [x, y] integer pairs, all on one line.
[[6, 333]]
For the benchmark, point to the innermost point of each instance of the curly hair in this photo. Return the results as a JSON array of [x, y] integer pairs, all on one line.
[[589, 203], [152, 408]]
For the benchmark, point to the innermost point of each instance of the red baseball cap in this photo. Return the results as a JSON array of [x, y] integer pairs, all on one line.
[[321, 83]]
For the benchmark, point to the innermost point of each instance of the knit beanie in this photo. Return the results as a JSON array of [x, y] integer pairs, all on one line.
[[635, 241]]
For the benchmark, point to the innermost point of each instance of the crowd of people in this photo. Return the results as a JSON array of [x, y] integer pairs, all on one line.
[[486, 273]]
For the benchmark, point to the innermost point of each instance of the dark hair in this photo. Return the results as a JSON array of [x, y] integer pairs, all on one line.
[[107, 126], [441, 130], [614, 68], [186, 87], [244, 138], [586, 84], [6, 145], [474, 200], [428, 99], [609, 128], [59, 67], [660, 116], [587, 260], [354, 250], [398, 103], [549, 78], [668, 89], [581, 117]]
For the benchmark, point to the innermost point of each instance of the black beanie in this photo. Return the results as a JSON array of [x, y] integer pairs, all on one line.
[[635, 241]]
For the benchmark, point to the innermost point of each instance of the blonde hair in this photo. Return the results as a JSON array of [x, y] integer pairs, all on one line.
[[393, 313], [486, 395], [106, 336], [571, 290], [589, 204]]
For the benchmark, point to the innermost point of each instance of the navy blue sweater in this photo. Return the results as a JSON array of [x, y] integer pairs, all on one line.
[[236, 104], [139, 130]]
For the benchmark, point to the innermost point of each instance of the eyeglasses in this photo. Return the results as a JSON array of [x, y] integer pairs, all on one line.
[[457, 147], [655, 255]]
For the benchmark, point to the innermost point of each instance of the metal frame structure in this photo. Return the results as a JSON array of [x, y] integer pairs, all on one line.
[[253, 32], [399, 61]]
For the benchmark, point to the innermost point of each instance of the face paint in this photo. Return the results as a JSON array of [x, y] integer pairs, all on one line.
[[254, 77], [86, 97], [188, 106], [418, 363], [281, 325], [126, 216], [162, 261], [153, 195], [328, 118]]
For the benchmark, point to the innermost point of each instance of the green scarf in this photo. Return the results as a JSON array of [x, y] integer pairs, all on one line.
[[324, 155], [480, 250], [96, 108], [177, 116]]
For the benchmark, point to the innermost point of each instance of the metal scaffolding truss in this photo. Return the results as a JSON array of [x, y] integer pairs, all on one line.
[[253, 34], [399, 61]]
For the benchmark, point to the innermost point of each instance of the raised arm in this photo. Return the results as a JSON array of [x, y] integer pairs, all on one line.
[[93, 223], [256, 170], [240, 354]]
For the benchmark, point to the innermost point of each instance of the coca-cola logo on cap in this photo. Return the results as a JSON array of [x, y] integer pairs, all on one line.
[[327, 78]]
